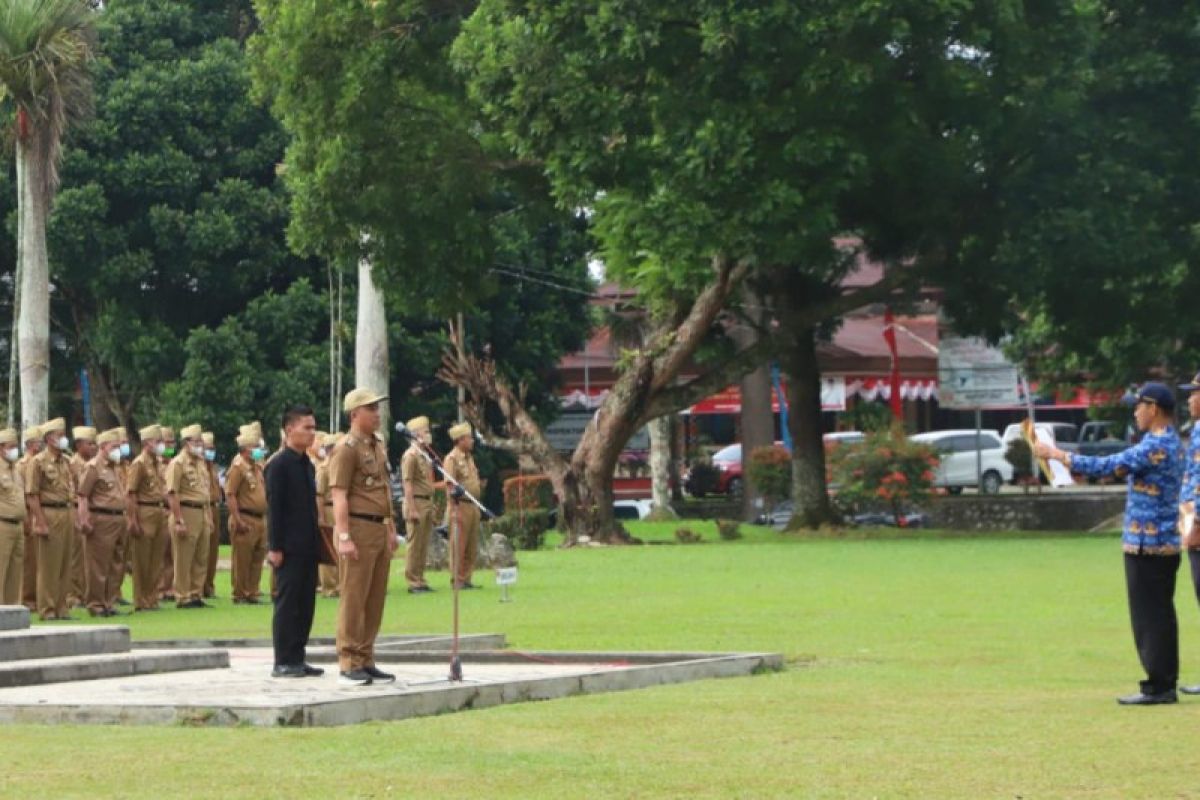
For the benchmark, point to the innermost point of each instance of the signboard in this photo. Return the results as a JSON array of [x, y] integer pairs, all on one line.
[[566, 431], [974, 374], [506, 576]]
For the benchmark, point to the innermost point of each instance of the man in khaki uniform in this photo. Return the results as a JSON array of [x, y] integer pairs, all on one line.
[[101, 502], [463, 515], [214, 541], [166, 579], [50, 491], [189, 499], [124, 549], [417, 474], [328, 575], [12, 519], [365, 533], [33, 446], [246, 495], [85, 450], [146, 508]]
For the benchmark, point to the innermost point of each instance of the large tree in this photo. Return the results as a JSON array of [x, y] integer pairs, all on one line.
[[46, 52]]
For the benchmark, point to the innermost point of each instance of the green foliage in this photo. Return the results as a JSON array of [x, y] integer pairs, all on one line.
[[702, 479], [687, 536], [869, 416], [886, 469], [1020, 456], [770, 472], [528, 492], [730, 530], [526, 530]]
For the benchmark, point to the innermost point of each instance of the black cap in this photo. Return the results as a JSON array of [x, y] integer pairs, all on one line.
[[1158, 393], [1193, 386]]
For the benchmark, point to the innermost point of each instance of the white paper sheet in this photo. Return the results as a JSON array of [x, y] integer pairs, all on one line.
[[1059, 474]]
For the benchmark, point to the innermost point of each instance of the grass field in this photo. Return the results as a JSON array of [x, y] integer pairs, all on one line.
[[946, 666]]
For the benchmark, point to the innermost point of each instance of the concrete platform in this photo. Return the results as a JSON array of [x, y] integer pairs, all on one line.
[[322, 647], [55, 641], [33, 672], [14, 618], [245, 694]]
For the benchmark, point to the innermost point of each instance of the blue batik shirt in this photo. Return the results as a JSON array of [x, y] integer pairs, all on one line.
[[1153, 469], [1191, 474]]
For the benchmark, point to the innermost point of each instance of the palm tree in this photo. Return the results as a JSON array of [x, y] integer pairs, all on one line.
[[46, 51]]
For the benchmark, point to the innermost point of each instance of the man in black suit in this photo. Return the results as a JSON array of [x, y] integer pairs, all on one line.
[[292, 543]]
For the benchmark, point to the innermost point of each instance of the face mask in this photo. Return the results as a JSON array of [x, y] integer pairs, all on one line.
[[322, 452], [258, 454], [168, 451], [210, 455], [197, 450], [114, 455], [12, 454], [63, 443], [126, 451], [160, 449]]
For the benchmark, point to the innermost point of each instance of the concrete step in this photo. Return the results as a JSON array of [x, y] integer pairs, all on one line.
[[35, 672], [14, 618], [62, 640]]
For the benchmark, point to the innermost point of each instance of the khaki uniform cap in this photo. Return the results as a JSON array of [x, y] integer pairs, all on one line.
[[418, 424], [248, 440], [108, 437], [168, 433], [191, 432], [150, 432], [8, 436], [34, 433], [460, 430], [208, 439], [357, 398], [330, 439], [56, 425], [83, 432]]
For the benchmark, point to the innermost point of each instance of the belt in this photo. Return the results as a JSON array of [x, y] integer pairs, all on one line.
[[255, 514], [150, 504], [422, 497], [107, 511], [370, 518], [11, 521], [330, 504], [56, 505], [190, 504]]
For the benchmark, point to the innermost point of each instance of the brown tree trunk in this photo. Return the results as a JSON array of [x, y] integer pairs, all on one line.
[[810, 495]]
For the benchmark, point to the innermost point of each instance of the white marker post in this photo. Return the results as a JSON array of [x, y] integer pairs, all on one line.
[[506, 577]]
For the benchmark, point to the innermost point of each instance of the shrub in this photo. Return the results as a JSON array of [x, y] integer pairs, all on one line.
[[729, 529], [703, 479], [687, 536], [526, 531], [528, 493], [886, 469], [770, 472], [1018, 454]]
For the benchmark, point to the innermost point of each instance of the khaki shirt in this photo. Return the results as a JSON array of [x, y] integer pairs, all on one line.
[[12, 491], [461, 467], [245, 483], [214, 483], [187, 477], [144, 480], [324, 497], [416, 469], [360, 467], [101, 485], [77, 465], [49, 477]]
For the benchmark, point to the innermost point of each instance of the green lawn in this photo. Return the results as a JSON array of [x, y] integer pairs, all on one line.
[[931, 667]]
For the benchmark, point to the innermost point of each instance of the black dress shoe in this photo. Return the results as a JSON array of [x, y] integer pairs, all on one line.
[[289, 671], [378, 675], [1156, 699], [312, 672], [1190, 689], [420, 589], [355, 677], [121, 601]]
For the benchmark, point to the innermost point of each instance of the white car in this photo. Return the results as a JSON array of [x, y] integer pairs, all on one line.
[[632, 509], [1064, 434], [957, 450]]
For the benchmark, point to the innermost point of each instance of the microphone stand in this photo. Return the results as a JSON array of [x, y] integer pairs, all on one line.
[[460, 491]]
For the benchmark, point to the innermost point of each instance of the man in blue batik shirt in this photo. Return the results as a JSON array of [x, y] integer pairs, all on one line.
[[1153, 469], [1191, 484]]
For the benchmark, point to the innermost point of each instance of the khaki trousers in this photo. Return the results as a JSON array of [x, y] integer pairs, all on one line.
[[29, 569], [191, 554], [166, 567], [214, 552], [54, 563], [104, 570], [328, 578], [12, 562], [417, 547], [468, 539], [77, 588], [363, 591], [249, 550], [121, 555], [148, 552]]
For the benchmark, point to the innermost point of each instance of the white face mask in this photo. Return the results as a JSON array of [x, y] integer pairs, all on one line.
[[12, 454], [63, 443], [114, 455], [159, 449], [322, 452], [197, 450]]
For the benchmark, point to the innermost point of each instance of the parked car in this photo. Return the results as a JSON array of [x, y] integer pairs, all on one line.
[[728, 463], [632, 509], [778, 517], [958, 451], [1103, 438], [1066, 434], [886, 519]]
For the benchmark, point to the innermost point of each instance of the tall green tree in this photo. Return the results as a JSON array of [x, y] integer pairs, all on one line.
[[46, 51]]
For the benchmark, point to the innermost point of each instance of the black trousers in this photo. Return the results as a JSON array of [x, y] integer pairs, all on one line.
[[1150, 583], [295, 602], [1194, 562]]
